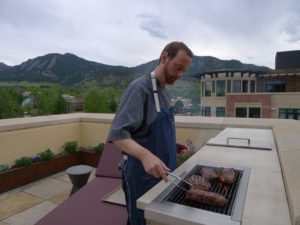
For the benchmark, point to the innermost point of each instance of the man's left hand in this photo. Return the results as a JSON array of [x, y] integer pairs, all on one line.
[[182, 149]]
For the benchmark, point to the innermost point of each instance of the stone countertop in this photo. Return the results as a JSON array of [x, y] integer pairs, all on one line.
[[266, 196]]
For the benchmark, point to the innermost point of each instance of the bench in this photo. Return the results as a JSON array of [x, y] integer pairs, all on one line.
[[86, 205]]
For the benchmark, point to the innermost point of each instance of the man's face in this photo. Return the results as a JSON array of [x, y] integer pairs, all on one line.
[[175, 68]]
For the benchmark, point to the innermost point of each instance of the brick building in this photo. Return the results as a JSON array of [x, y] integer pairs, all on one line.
[[254, 94]]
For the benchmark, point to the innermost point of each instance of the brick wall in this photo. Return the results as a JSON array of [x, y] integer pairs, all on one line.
[[264, 100]]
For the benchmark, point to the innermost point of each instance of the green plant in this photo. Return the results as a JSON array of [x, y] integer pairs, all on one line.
[[70, 147], [23, 161], [47, 154], [99, 148], [4, 167], [183, 158]]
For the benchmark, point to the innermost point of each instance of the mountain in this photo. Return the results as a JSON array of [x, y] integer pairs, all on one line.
[[69, 69], [3, 66]]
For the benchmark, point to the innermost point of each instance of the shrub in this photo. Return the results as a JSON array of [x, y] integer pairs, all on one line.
[[182, 159], [3, 167], [99, 148], [47, 154], [23, 161], [70, 147]]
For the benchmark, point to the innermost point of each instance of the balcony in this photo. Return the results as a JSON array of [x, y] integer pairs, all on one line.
[[28, 136]]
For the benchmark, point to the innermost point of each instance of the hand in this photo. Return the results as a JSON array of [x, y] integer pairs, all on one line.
[[154, 166], [182, 149]]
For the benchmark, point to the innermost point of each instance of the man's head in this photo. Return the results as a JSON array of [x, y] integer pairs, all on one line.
[[174, 60]]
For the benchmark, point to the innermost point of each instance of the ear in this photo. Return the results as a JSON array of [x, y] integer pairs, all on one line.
[[164, 57]]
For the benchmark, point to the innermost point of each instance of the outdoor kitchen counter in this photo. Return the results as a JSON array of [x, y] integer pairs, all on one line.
[[266, 201]]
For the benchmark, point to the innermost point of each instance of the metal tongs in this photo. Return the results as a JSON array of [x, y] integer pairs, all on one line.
[[178, 180]]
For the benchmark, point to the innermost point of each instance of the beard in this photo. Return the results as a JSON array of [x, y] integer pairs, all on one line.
[[168, 77]]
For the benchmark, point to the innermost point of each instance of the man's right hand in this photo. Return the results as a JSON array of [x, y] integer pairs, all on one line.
[[154, 166]]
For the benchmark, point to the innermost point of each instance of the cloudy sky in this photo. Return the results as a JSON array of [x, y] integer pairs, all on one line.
[[132, 32]]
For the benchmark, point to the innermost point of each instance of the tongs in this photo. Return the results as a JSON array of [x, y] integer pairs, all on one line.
[[178, 180]]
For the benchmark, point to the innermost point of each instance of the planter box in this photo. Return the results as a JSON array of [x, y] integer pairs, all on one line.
[[17, 177]]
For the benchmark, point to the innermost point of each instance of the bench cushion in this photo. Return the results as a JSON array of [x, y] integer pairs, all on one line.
[[86, 206], [109, 161]]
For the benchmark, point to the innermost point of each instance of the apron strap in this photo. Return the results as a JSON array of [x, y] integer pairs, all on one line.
[[155, 93]]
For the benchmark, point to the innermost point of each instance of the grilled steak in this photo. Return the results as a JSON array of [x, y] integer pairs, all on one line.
[[208, 173], [225, 175], [199, 182], [206, 197]]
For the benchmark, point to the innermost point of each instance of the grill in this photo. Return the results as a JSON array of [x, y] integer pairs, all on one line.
[[177, 195], [171, 207]]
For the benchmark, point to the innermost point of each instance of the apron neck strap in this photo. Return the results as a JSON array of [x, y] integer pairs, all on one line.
[[155, 93]]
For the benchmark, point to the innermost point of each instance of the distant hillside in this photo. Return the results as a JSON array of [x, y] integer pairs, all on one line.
[[3, 66], [69, 69]]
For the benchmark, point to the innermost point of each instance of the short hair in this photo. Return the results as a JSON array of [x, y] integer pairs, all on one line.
[[173, 47]]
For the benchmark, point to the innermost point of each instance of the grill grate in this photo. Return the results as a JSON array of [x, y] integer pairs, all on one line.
[[177, 195]]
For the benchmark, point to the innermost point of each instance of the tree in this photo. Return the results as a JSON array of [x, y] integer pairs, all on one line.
[[101, 100], [10, 104]]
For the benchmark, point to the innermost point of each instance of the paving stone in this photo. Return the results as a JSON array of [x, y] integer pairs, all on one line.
[[31, 216], [48, 188], [60, 198], [16, 203]]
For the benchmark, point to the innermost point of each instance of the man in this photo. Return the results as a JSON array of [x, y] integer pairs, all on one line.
[[144, 127]]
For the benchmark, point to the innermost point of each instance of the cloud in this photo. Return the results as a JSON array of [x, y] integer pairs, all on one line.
[[153, 26], [134, 31]]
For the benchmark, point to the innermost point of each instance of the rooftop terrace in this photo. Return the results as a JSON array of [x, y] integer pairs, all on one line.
[[28, 136]]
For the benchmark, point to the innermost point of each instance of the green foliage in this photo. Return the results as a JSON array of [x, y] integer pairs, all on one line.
[[10, 104], [186, 89], [101, 100], [23, 161], [99, 148], [47, 154], [50, 101], [4, 167], [70, 147], [182, 159]]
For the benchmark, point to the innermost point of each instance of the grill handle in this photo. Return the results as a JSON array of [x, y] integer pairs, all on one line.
[[247, 139]]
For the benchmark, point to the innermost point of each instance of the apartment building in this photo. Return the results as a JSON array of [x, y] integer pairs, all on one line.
[[254, 94]]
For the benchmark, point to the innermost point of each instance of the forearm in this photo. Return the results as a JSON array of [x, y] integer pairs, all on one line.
[[132, 148], [150, 162]]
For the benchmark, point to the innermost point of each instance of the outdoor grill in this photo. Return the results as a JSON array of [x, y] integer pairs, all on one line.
[[171, 206]]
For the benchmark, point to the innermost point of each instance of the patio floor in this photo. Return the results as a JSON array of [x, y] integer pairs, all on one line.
[[28, 204]]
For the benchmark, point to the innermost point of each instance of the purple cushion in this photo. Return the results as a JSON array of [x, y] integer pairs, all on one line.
[[109, 161], [86, 206]]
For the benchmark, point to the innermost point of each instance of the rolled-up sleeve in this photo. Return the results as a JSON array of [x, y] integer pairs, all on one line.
[[129, 115]]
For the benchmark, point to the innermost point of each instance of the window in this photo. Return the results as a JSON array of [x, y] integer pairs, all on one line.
[[252, 85], [273, 85], [213, 87], [220, 87], [241, 112], [207, 111], [220, 112], [289, 114], [236, 86], [254, 112], [208, 88], [245, 86]]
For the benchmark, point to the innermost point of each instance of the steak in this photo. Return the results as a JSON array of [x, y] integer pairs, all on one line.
[[206, 197], [225, 175], [208, 173], [199, 182]]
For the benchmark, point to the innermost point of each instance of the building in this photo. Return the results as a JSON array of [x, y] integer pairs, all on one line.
[[254, 94]]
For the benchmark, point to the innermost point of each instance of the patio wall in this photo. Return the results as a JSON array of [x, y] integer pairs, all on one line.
[[29, 136]]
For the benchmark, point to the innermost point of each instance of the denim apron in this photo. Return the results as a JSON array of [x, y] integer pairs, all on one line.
[[162, 143]]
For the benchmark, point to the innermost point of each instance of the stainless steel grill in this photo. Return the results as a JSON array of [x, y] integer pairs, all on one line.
[[171, 207], [177, 195]]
